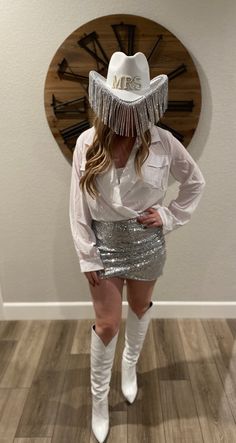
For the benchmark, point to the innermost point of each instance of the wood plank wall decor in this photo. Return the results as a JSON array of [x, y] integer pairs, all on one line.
[[90, 47]]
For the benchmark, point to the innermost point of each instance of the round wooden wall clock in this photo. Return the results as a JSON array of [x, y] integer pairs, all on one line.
[[90, 48]]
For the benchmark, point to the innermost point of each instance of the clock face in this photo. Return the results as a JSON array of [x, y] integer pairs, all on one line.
[[90, 48]]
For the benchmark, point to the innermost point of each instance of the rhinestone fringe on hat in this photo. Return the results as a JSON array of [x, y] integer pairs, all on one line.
[[120, 115]]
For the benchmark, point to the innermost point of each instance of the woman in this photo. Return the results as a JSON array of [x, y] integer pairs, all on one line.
[[119, 178]]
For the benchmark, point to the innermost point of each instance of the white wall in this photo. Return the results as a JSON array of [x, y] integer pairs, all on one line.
[[38, 260]]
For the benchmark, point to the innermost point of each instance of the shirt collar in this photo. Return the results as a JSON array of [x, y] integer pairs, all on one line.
[[155, 136]]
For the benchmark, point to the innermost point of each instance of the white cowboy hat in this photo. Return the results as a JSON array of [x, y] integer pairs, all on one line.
[[127, 98]]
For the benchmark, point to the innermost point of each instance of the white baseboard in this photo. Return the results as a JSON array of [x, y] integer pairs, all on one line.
[[85, 310]]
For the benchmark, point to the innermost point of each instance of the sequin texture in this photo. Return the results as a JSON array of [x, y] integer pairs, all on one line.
[[129, 249]]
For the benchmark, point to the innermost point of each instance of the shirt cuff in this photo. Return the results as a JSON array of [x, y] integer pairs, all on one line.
[[91, 264], [167, 219]]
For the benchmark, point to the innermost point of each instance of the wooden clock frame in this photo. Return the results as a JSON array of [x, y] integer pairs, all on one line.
[[90, 47]]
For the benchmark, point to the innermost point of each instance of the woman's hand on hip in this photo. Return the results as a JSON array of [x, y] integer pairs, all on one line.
[[152, 219], [92, 277]]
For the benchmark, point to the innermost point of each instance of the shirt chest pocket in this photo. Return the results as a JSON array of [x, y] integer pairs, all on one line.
[[156, 170]]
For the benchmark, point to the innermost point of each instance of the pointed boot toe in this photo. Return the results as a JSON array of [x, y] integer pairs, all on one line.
[[100, 419], [129, 381]]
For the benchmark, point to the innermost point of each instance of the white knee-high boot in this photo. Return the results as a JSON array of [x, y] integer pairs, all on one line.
[[101, 362], [136, 329]]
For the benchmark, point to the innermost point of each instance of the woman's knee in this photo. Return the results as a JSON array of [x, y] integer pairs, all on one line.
[[106, 330], [107, 302], [139, 309], [139, 295]]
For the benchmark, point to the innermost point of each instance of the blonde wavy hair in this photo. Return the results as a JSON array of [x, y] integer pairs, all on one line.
[[99, 155]]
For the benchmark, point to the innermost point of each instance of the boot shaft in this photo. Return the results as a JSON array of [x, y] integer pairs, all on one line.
[[135, 333], [101, 363]]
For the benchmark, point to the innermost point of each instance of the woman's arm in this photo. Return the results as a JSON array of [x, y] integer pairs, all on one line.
[[192, 183], [80, 218]]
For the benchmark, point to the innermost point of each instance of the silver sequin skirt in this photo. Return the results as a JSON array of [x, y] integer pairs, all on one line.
[[130, 249]]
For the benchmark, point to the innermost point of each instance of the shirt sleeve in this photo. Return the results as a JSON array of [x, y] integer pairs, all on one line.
[[80, 218], [192, 183]]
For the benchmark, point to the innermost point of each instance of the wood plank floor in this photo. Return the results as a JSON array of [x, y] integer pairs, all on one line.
[[186, 377]]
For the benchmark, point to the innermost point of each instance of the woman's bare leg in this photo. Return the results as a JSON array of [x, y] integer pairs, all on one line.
[[107, 302], [139, 294]]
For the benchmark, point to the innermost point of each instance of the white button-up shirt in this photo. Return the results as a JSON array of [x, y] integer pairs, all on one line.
[[128, 197]]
